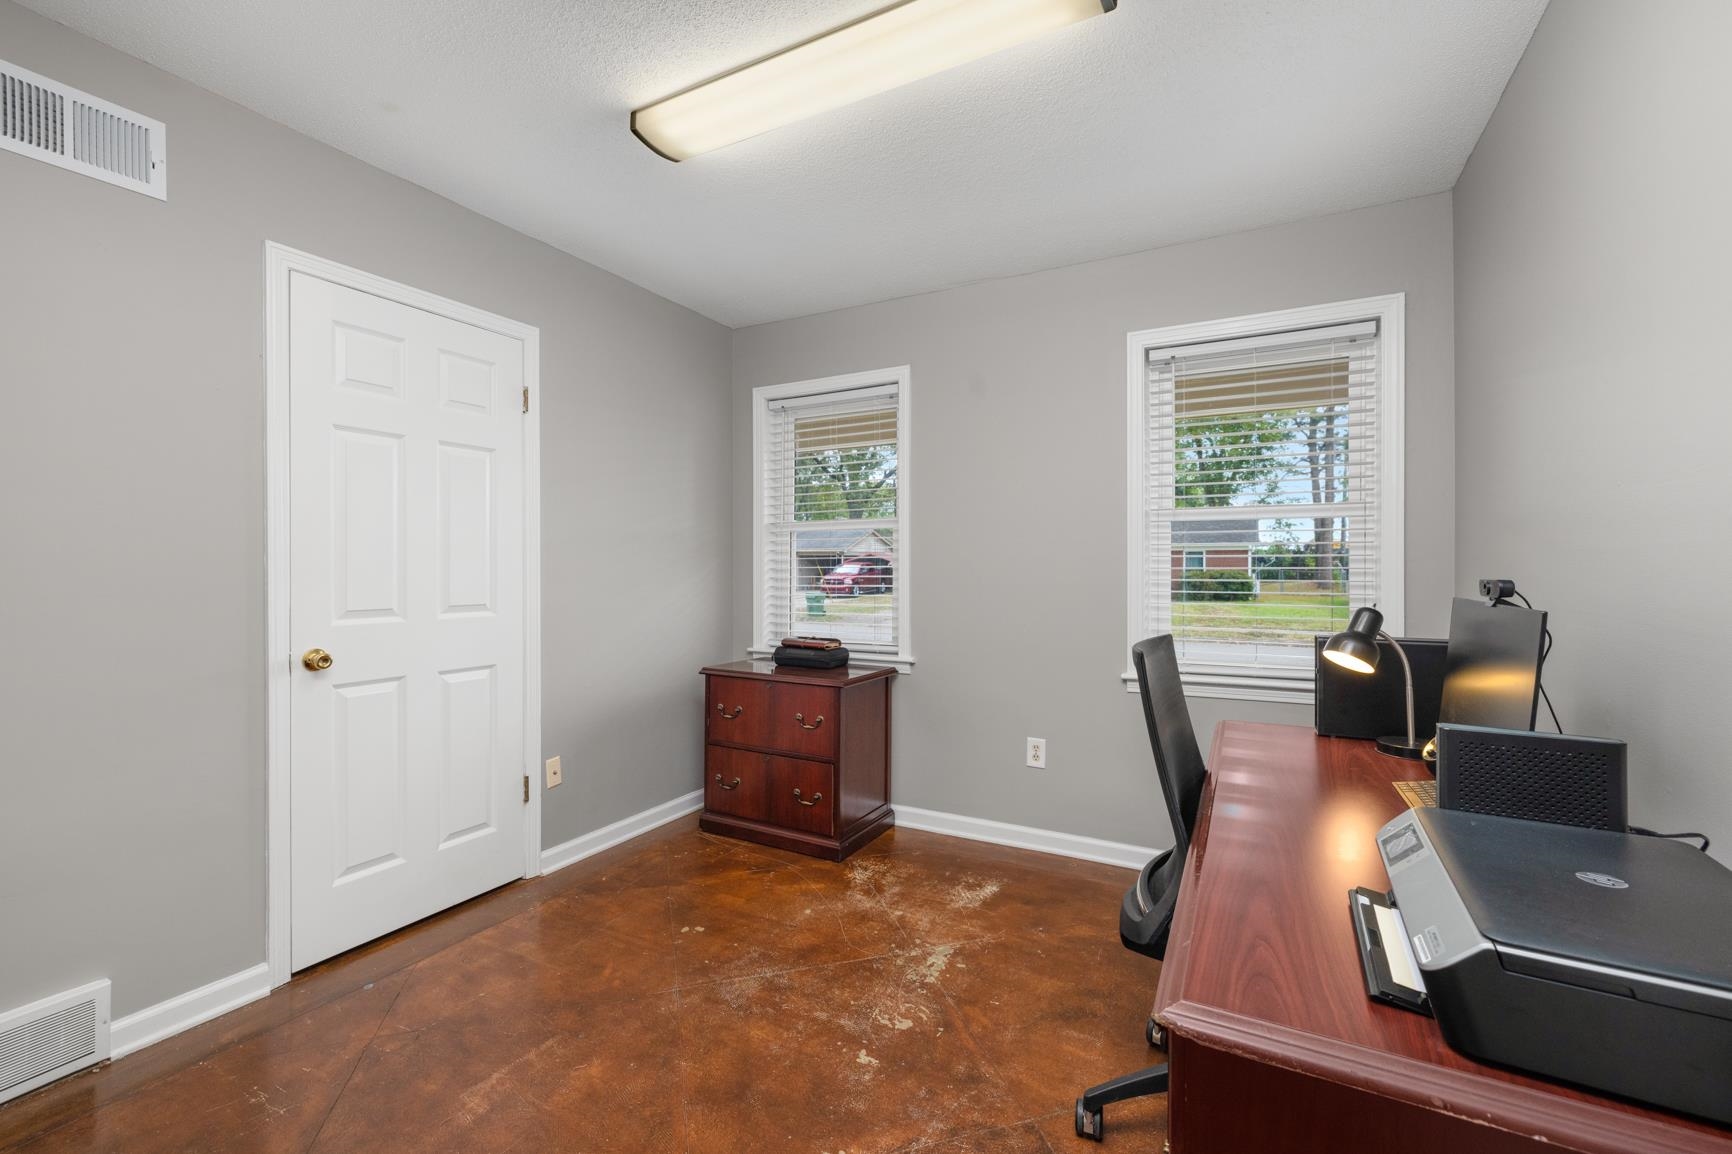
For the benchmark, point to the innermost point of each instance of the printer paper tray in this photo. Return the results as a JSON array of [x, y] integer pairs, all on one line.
[[1375, 959]]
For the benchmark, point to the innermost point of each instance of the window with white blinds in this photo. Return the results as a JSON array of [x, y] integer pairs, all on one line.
[[1262, 477], [832, 493]]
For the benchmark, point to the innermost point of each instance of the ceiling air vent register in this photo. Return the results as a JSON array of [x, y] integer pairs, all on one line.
[[73, 130]]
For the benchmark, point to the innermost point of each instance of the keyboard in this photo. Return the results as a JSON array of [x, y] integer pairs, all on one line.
[[1417, 794]]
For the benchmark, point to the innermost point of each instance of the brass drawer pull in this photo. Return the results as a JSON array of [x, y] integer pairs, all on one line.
[[726, 716], [816, 798], [735, 784], [801, 718]]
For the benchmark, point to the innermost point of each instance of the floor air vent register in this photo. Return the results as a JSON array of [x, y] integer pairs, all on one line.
[[60, 1034]]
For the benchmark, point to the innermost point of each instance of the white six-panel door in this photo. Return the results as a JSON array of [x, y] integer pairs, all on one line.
[[406, 473]]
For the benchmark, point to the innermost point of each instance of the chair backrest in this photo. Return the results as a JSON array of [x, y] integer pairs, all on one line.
[[1177, 757]]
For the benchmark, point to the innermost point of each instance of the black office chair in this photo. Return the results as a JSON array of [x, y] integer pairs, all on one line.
[[1146, 914]]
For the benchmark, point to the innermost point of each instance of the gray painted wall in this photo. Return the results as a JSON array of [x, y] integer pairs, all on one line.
[[1592, 237], [1019, 410], [132, 712]]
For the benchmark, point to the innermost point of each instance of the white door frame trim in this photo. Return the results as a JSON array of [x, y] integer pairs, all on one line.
[[280, 261]]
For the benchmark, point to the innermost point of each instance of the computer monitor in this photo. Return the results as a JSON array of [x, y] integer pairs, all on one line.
[[1492, 672]]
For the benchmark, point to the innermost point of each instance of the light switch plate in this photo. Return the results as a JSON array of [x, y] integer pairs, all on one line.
[[554, 774]]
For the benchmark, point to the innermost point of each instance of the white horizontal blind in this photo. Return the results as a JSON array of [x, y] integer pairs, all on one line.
[[1261, 498], [832, 519]]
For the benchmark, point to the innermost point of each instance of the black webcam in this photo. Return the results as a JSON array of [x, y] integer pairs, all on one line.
[[1496, 588]]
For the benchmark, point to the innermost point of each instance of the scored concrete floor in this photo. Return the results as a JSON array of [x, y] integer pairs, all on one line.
[[683, 993]]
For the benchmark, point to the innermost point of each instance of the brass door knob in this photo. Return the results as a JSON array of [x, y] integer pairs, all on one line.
[[316, 659]]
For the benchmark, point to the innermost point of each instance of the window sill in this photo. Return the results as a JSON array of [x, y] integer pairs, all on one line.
[[869, 660], [1279, 690]]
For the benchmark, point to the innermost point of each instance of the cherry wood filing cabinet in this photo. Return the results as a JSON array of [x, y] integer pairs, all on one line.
[[797, 758]]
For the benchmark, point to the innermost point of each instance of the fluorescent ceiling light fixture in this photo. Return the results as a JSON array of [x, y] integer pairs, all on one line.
[[908, 42]]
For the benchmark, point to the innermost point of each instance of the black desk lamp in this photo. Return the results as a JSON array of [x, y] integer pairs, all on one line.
[[1357, 650]]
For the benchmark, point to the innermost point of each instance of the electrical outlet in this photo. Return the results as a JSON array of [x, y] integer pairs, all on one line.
[[554, 774], [1037, 753]]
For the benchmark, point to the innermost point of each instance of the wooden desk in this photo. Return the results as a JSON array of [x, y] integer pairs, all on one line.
[[1273, 1045]]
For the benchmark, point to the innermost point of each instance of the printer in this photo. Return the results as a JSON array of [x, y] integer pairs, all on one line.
[[1599, 958]]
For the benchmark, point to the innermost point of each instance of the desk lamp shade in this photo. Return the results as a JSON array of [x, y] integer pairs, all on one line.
[[1356, 648]]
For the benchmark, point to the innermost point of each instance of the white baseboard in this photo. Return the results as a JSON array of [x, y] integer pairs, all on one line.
[[1024, 837], [184, 1011], [608, 836]]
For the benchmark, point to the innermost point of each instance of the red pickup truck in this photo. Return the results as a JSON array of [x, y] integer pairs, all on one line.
[[856, 575]]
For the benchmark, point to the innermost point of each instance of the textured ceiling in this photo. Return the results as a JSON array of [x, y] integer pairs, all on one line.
[[1164, 121]]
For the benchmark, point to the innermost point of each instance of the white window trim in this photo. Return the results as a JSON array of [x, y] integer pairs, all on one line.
[[1390, 312], [762, 396]]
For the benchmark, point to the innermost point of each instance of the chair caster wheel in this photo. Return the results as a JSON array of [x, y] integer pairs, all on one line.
[[1089, 1124], [1152, 1031]]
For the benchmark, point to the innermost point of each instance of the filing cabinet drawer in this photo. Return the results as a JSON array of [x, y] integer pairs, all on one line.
[[737, 711], [735, 783], [802, 795], [804, 720]]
